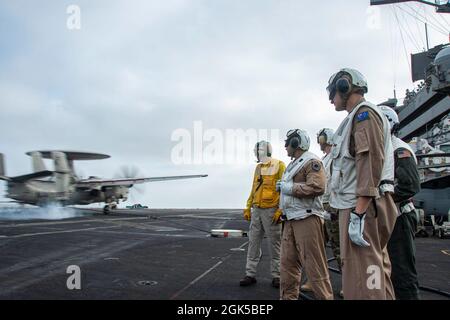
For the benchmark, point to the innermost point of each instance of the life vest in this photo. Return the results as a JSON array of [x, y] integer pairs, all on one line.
[[343, 167], [326, 160], [264, 194], [300, 208]]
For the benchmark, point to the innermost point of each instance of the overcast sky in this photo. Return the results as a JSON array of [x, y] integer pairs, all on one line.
[[138, 72]]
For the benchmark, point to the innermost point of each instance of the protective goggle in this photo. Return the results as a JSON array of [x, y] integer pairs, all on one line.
[[331, 89], [291, 132], [331, 92]]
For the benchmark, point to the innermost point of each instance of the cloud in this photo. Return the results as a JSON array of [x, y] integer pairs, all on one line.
[[137, 71]]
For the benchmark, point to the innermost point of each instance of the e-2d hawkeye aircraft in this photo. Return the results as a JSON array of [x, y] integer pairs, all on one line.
[[63, 186]]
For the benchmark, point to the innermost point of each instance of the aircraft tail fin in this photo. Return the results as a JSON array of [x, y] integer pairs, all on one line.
[[2, 165], [62, 171], [37, 162], [23, 178], [2, 169]]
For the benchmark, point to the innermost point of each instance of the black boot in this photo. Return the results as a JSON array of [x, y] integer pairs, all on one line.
[[247, 281], [276, 282]]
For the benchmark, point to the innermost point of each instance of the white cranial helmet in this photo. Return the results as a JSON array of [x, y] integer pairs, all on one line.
[[263, 150], [392, 117], [297, 139], [325, 136]]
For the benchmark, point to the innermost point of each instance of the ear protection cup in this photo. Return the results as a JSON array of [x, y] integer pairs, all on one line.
[[343, 86], [294, 142], [322, 139], [268, 150]]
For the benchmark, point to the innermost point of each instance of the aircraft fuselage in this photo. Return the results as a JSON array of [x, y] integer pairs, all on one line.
[[39, 192]]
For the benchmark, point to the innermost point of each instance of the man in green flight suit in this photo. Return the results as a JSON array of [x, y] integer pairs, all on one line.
[[401, 247]]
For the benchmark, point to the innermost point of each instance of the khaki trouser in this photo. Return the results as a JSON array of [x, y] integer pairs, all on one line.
[[366, 271], [302, 247], [260, 224]]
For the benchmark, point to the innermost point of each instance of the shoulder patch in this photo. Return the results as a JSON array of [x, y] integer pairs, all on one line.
[[362, 116], [316, 166], [403, 154]]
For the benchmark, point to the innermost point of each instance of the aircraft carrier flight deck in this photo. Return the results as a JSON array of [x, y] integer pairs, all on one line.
[[155, 254]]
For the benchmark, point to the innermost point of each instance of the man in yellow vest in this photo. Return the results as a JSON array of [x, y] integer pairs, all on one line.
[[263, 213]]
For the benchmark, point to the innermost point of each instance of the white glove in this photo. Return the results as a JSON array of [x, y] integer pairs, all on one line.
[[326, 215], [285, 187], [356, 229]]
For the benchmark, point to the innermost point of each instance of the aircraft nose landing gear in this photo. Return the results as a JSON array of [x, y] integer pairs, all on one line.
[[108, 207]]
